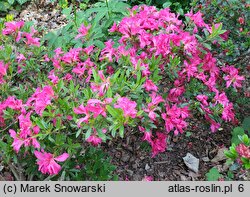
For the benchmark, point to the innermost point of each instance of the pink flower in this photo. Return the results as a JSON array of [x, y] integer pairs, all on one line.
[[110, 70], [108, 52], [18, 141], [14, 103], [94, 140], [221, 98], [54, 79], [83, 31], [174, 118], [30, 40], [71, 56], [209, 64], [243, 151], [88, 49], [233, 77], [214, 126], [96, 107], [67, 77], [114, 28], [12, 27], [20, 58], [46, 58], [103, 86], [152, 106], [190, 68], [211, 83], [25, 125], [159, 144], [84, 66], [156, 99], [127, 106], [149, 85], [196, 18], [228, 114], [147, 135], [47, 162], [148, 178], [40, 99], [174, 93], [202, 99], [241, 20], [3, 71], [82, 110]]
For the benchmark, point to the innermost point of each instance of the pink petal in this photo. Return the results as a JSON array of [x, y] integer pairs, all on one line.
[[62, 157]]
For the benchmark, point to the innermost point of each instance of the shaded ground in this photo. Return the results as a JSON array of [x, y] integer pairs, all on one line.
[[134, 162]]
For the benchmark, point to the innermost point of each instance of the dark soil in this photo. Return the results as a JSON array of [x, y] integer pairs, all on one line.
[[134, 163]]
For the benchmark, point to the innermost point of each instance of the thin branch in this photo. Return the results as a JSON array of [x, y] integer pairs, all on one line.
[[8, 126]]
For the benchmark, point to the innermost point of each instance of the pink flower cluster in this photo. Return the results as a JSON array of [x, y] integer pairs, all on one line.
[[157, 33], [83, 31], [152, 106], [103, 86], [3, 71], [47, 162], [14, 28], [243, 151], [175, 118], [94, 107], [233, 77], [128, 107], [41, 99], [27, 136], [158, 143]]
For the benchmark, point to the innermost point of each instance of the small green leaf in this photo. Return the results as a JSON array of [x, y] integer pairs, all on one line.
[[78, 133], [21, 2], [11, 2], [188, 134], [213, 174], [121, 131], [167, 4], [246, 124], [236, 132], [112, 111]]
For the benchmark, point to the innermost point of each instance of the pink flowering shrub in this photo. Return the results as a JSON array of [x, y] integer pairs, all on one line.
[[240, 152], [159, 74]]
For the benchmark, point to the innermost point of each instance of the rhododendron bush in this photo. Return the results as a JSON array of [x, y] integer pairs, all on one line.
[[158, 75]]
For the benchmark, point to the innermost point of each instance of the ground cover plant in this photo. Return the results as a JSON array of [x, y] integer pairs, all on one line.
[[148, 74]]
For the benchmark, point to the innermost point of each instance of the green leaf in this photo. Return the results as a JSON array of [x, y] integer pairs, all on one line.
[[4, 6], [99, 44], [236, 132], [112, 111], [21, 2], [121, 131], [11, 2], [246, 124], [244, 138], [230, 174], [94, 73], [78, 133], [213, 174], [88, 133], [188, 134], [41, 124], [3, 145], [167, 4]]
